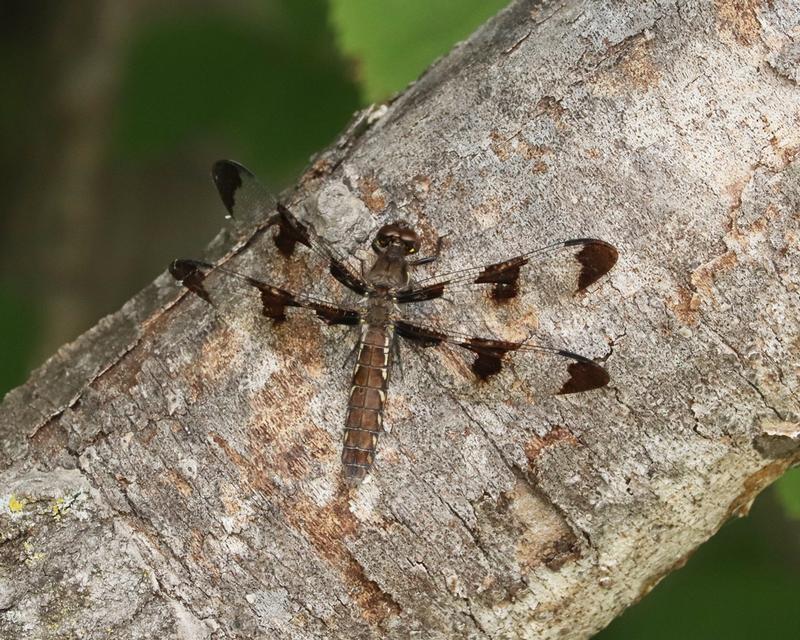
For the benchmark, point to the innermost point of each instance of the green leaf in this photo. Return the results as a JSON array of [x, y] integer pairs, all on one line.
[[268, 87], [393, 41], [788, 490]]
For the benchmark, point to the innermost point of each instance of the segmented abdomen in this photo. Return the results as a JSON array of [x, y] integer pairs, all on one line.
[[367, 397]]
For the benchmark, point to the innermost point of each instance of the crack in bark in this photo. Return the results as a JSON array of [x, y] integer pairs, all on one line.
[[473, 535], [518, 43], [743, 368], [161, 546]]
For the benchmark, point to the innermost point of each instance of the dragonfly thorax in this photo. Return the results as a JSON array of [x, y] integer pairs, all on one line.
[[390, 270]]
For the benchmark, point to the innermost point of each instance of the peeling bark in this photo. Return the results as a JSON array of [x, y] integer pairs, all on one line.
[[175, 473]]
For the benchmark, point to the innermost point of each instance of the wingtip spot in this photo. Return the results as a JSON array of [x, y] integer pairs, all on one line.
[[584, 375], [180, 269], [227, 176], [596, 258]]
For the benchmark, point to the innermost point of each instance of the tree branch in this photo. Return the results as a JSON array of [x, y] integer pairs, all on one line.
[[175, 472]]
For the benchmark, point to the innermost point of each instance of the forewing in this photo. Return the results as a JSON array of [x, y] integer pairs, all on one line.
[[274, 301], [504, 364], [245, 197], [563, 267]]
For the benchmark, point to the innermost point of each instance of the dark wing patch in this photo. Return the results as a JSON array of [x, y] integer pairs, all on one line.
[[346, 276], [290, 232], [274, 300], [191, 276], [420, 294], [567, 266], [554, 371], [505, 278], [489, 355], [246, 198], [596, 259], [422, 336], [331, 314]]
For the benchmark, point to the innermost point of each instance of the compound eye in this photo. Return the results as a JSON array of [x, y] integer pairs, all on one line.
[[382, 241], [410, 248]]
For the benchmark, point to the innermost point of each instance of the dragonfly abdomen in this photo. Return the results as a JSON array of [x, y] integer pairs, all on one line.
[[367, 399]]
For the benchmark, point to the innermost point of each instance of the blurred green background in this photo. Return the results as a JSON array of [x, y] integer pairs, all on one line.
[[111, 115]]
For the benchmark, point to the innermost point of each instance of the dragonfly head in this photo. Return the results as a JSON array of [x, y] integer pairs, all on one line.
[[396, 236]]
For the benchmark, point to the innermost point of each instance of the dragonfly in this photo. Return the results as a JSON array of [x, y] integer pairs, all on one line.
[[382, 295]]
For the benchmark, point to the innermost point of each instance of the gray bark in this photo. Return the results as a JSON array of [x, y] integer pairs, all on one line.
[[174, 473]]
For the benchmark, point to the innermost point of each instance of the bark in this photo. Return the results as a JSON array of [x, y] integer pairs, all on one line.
[[174, 473]]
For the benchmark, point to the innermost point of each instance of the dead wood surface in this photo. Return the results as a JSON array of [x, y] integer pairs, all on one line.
[[175, 474]]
